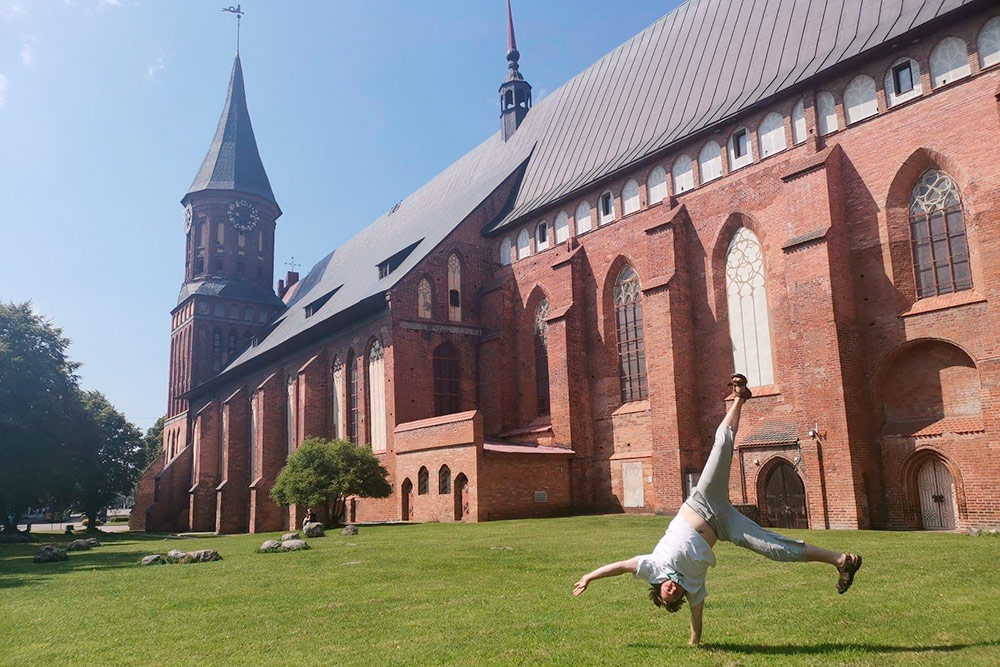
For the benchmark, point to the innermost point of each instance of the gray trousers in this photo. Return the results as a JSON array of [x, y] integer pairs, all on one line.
[[710, 500]]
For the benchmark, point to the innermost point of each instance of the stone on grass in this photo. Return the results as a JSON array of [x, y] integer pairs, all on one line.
[[293, 545], [313, 529], [93, 542], [14, 538], [79, 545], [204, 556], [154, 559], [50, 555], [270, 546], [349, 529], [290, 536]]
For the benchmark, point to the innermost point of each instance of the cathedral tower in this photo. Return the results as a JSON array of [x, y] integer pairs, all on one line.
[[515, 92], [227, 295]]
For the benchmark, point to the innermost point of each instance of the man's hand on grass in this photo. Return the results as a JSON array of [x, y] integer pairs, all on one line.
[[580, 586]]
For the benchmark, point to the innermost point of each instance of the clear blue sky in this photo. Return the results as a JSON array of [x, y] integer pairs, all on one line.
[[108, 106]]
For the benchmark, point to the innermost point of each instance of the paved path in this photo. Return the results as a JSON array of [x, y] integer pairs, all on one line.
[[61, 527]]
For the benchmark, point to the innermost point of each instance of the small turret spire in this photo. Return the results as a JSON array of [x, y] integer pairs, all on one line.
[[515, 92], [512, 53]]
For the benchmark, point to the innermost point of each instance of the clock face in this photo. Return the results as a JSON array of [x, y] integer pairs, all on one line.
[[188, 217], [243, 215]]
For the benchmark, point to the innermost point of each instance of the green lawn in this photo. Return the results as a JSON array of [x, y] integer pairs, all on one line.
[[496, 592]]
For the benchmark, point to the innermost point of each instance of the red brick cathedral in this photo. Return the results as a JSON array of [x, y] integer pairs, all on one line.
[[809, 196]]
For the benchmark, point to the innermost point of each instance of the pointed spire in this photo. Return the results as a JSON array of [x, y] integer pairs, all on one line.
[[233, 162], [512, 53]]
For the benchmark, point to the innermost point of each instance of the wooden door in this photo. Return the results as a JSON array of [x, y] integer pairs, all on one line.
[[406, 491], [937, 496], [632, 483], [785, 498], [461, 491]]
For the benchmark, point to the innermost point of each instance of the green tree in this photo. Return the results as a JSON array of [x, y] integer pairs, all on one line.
[[38, 400], [107, 457], [152, 444], [322, 473]]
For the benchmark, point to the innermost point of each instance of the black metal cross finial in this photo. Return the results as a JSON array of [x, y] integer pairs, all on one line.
[[239, 15], [292, 264]]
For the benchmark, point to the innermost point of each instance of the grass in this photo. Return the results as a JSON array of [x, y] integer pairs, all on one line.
[[496, 592]]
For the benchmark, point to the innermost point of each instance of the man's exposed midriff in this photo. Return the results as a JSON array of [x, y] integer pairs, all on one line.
[[699, 524]]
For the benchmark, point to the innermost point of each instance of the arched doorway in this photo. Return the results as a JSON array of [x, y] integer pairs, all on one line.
[[406, 491], [461, 497], [785, 498], [936, 490]]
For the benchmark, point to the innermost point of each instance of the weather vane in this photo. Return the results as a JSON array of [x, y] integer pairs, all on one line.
[[292, 264], [239, 15]]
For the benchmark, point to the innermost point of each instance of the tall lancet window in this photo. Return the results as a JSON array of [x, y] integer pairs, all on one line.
[[446, 379], [336, 398], [290, 413], [454, 289], [352, 397], [631, 348], [749, 326], [542, 356], [253, 436], [937, 228], [376, 396], [424, 299]]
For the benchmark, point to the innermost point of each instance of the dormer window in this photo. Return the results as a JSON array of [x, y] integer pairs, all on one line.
[[314, 307], [389, 265]]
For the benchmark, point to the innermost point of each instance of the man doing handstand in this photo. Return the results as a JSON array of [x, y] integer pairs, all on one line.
[[677, 567]]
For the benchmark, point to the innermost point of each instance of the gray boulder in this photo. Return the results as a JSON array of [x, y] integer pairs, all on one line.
[[313, 529], [178, 556], [204, 556], [290, 536], [154, 559], [270, 546], [349, 529], [50, 555], [79, 545], [293, 545], [93, 542]]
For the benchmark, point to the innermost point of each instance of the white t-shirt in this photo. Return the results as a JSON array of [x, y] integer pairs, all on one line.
[[681, 551]]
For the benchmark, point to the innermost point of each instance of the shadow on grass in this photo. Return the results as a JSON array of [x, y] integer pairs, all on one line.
[[828, 647]]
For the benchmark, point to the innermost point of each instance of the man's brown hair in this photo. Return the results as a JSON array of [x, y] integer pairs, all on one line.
[[654, 595]]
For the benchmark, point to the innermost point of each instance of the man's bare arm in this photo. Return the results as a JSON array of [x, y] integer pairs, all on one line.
[[610, 570], [696, 611]]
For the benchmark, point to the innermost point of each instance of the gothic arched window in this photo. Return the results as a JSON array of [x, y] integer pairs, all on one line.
[[746, 294], [446, 379], [423, 482], [352, 398], [560, 228], [290, 413], [231, 346], [988, 43], [424, 298], [444, 480], [216, 350], [826, 113], [799, 122], [523, 244], [335, 397], [710, 162], [583, 221], [376, 396], [630, 197], [949, 61], [542, 356], [656, 185], [505, 247], [254, 413], [937, 229], [542, 236], [683, 174], [631, 349], [771, 134], [454, 289], [860, 99]]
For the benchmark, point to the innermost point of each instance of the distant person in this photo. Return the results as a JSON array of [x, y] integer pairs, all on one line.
[[677, 567]]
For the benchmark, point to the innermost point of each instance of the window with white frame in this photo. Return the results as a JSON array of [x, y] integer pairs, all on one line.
[[505, 247], [826, 113], [582, 218], [710, 162], [630, 197], [606, 208], [746, 294], [683, 174], [902, 82], [988, 43], [949, 61], [542, 236], [656, 185], [771, 134], [523, 244], [561, 227], [740, 149], [860, 99], [799, 131]]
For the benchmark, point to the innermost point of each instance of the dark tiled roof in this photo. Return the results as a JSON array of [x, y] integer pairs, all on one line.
[[701, 64], [238, 290], [232, 162]]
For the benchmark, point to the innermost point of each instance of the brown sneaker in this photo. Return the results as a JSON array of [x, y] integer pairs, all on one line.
[[851, 565]]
